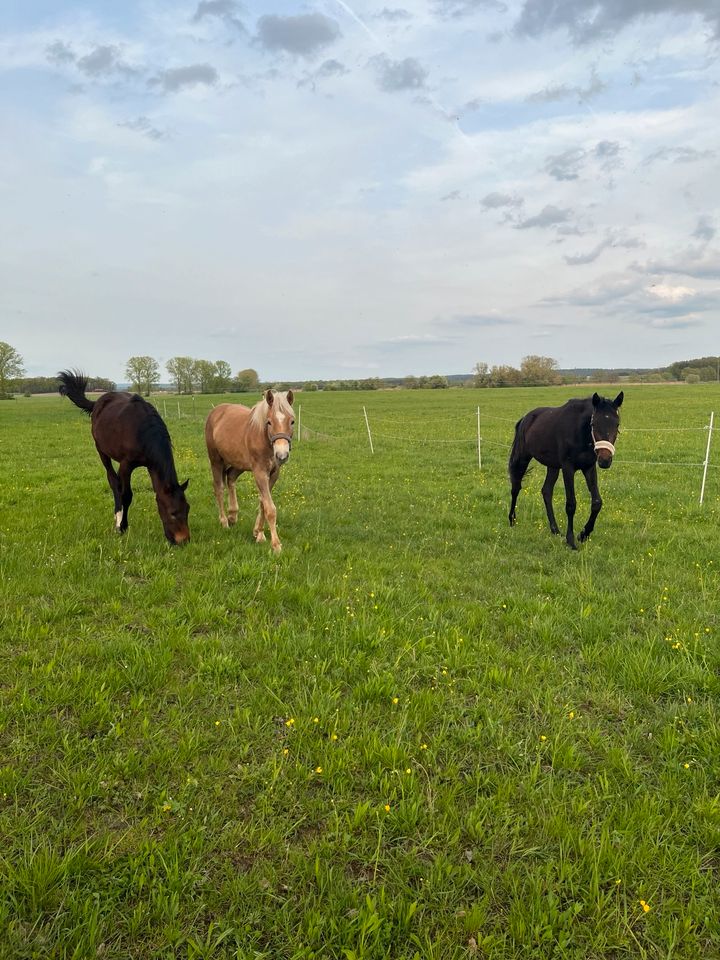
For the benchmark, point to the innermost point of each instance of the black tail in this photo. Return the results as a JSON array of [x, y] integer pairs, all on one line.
[[517, 442], [73, 386]]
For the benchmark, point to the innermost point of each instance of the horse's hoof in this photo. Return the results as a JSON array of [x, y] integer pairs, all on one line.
[[573, 545], [583, 537], [277, 548], [232, 521], [259, 538], [224, 524]]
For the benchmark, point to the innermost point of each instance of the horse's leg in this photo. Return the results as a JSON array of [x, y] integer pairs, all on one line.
[[259, 528], [114, 482], [126, 494], [570, 503], [267, 508], [595, 501], [218, 470], [517, 470], [231, 475], [547, 492]]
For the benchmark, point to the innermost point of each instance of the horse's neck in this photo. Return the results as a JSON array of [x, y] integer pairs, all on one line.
[[163, 474]]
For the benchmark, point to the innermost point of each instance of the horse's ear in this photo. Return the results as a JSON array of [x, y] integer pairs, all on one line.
[[269, 398], [617, 402], [184, 486], [595, 399], [290, 397]]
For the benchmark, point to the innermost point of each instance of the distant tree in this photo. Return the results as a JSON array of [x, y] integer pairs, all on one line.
[[538, 371], [143, 373], [437, 382], [223, 376], [248, 381], [692, 377], [410, 383], [504, 376], [310, 386], [481, 375], [182, 372], [11, 366], [204, 375]]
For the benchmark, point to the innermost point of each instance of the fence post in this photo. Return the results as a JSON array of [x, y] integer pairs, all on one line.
[[478, 438], [179, 414], [367, 424], [299, 436], [707, 457], [165, 409]]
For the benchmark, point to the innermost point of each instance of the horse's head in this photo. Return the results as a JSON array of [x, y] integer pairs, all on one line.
[[280, 423], [604, 427], [173, 509]]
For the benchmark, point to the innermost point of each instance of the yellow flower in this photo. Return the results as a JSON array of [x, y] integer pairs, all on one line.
[[645, 906], [290, 722], [423, 746], [316, 719], [217, 723], [167, 806], [408, 770], [387, 808], [285, 752], [571, 715], [687, 766], [334, 736], [318, 769], [396, 700], [543, 737]]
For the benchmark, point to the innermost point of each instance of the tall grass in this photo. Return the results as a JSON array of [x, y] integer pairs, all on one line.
[[416, 733]]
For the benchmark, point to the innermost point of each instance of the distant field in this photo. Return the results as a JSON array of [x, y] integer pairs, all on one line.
[[417, 733]]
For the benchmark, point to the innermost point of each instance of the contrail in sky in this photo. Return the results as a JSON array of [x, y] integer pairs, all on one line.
[[433, 100]]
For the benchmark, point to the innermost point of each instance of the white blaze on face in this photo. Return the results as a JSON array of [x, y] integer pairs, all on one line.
[[281, 449], [118, 519]]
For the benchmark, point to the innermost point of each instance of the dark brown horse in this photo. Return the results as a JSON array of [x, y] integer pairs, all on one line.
[[580, 435], [129, 430]]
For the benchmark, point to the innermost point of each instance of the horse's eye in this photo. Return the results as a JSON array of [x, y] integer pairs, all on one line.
[[292, 423], [268, 423]]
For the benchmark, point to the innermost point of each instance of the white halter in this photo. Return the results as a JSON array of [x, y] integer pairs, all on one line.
[[601, 444]]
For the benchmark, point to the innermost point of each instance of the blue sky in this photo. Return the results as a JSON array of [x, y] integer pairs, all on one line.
[[333, 189]]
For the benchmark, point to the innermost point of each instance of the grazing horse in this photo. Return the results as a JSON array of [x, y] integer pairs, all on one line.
[[241, 438], [128, 429], [580, 435]]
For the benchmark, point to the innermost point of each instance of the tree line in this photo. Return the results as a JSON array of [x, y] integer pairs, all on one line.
[[189, 375], [534, 371]]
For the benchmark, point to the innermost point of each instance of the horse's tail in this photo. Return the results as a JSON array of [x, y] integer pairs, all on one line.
[[515, 450], [73, 386]]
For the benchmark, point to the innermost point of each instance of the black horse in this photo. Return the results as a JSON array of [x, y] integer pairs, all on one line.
[[580, 435], [128, 429]]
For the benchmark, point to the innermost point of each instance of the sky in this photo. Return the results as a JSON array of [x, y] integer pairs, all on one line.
[[351, 188]]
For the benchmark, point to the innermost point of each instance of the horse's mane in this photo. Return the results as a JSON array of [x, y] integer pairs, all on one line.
[[259, 413], [155, 438]]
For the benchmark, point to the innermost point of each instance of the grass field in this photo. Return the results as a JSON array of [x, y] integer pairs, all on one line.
[[416, 733]]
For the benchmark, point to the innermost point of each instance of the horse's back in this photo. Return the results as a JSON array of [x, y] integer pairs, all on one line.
[[225, 430], [118, 419], [549, 434]]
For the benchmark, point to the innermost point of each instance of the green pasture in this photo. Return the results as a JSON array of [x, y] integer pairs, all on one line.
[[416, 733]]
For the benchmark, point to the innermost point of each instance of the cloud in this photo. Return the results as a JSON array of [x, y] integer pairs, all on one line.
[[705, 229], [598, 293], [395, 15], [302, 35], [562, 91], [395, 75], [103, 61], [679, 155], [608, 243], [453, 195], [693, 262], [548, 217], [144, 126], [490, 319], [414, 340], [495, 201], [589, 20], [60, 53], [464, 8], [326, 70], [177, 78], [226, 10], [565, 165]]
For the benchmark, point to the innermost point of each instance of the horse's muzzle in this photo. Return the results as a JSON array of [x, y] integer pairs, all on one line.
[[604, 462], [180, 538]]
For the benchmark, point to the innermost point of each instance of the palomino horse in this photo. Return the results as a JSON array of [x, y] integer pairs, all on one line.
[[580, 435], [239, 438], [128, 429]]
